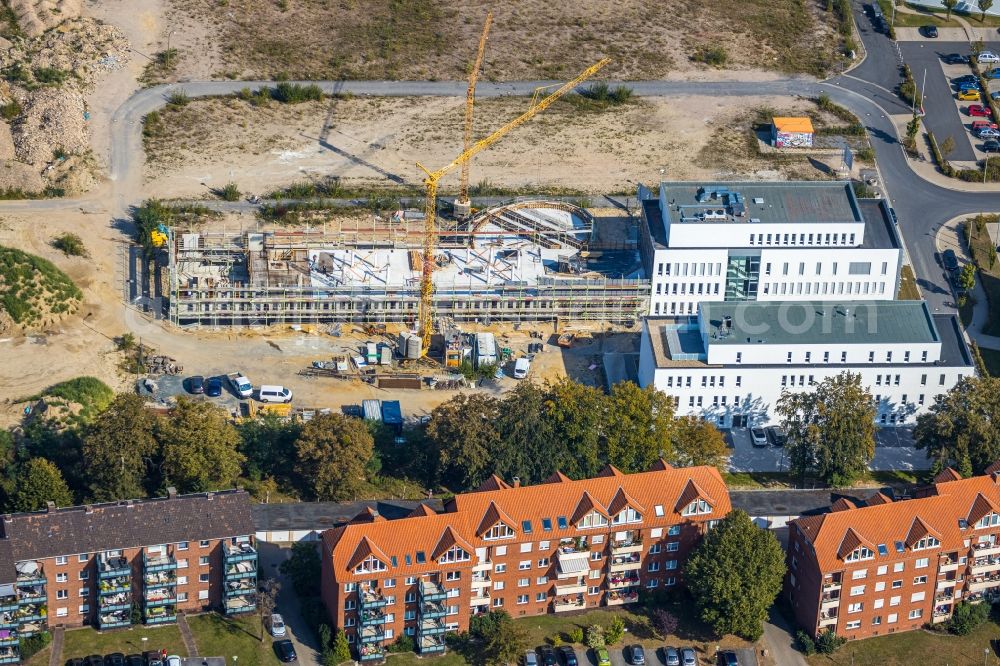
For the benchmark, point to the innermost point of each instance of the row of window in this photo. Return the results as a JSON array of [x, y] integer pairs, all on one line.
[[892, 618], [84, 557], [859, 590], [853, 268], [803, 239], [63, 577], [823, 288], [84, 575], [859, 606]]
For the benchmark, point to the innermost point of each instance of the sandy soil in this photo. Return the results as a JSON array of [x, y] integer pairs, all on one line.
[[376, 141]]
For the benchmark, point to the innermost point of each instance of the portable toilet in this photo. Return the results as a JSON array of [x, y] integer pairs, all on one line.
[[371, 355]]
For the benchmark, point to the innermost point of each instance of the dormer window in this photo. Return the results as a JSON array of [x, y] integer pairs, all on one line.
[[628, 515], [859, 553], [927, 542], [455, 554], [696, 508], [989, 520], [592, 519], [371, 564], [499, 531]]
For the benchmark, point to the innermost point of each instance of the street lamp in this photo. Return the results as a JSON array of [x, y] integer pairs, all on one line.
[[166, 64]]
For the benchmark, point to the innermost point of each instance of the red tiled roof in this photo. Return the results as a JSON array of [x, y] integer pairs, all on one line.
[[492, 483], [843, 504], [557, 477], [660, 465], [448, 539], [620, 501], [364, 549], [609, 470], [947, 474], [585, 506], [992, 469], [493, 516], [422, 510], [918, 530], [878, 498], [691, 492]]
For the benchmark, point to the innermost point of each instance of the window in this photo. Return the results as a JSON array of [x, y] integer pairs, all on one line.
[[627, 515], [857, 590], [859, 268], [455, 554], [896, 584], [853, 624], [203, 578], [892, 618], [82, 557], [369, 565], [540, 596], [84, 575], [592, 519], [62, 612], [878, 603], [498, 585], [859, 574], [879, 586], [410, 580], [497, 602], [699, 506], [499, 531], [920, 580], [522, 582], [670, 565], [62, 577], [522, 598], [653, 566], [183, 545], [203, 543], [62, 594], [927, 542], [917, 596], [672, 547], [84, 591], [84, 609], [526, 526], [855, 607], [450, 576], [859, 553], [350, 587], [916, 613], [562, 522], [898, 566], [542, 580], [544, 562], [894, 601], [500, 568], [182, 596], [882, 570], [524, 565], [674, 530], [546, 524], [203, 594], [652, 582], [203, 560], [595, 556], [499, 551], [61, 559], [921, 563]]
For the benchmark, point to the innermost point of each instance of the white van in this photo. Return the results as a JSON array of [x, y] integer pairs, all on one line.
[[521, 367], [275, 394]]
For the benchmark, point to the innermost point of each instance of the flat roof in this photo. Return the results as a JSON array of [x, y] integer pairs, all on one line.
[[802, 323], [780, 202], [954, 350], [880, 232]]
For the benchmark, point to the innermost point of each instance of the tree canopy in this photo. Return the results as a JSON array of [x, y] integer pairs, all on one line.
[[698, 442], [735, 574], [831, 428], [36, 483], [118, 448], [333, 454], [959, 430], [198, 447]]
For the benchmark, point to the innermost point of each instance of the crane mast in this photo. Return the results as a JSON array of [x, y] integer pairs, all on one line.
[[463, 206]]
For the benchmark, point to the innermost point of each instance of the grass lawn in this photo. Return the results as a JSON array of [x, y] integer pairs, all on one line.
[[989, 268], [915, 647], [449, 658], [991, 358], [926, 16], [756, 480], [86, 641], [908, 290], [220, 636]]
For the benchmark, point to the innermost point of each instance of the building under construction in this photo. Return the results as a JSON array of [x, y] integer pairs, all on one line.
[[530, 261]]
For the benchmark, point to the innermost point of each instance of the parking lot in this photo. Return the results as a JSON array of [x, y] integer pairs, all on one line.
[[586, 657], [945, 115]]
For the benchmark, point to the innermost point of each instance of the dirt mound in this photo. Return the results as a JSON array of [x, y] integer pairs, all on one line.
[[52, 121], [82, 47], [20, 176], [36, 16], [34, 293]]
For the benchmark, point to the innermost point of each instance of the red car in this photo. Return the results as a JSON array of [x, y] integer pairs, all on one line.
[[980, 110], [980, 124]]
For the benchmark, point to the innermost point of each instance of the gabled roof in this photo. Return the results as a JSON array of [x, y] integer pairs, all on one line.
[[878, 498], [993, 468], [448, 539], [851, 542], [557, 477], [492, 483], [422, 510], [947, 474], [493, 516], [691, 492], [843, 504], [586, 506], [620, 501], [367, 515], [609, 470], [918, 530], [660, 465], [364, 549], [981, 507]]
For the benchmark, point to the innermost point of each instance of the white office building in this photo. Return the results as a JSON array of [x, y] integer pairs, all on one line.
[[742, 241], [731, 365]]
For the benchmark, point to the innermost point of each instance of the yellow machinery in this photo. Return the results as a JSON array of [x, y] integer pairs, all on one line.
[[539, 104], [463, 206]]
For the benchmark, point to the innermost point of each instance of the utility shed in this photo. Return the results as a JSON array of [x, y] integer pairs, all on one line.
[[392, 413], [792, 132], [371, 410]]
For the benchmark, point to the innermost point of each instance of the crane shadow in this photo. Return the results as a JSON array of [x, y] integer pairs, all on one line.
[[360, 161]]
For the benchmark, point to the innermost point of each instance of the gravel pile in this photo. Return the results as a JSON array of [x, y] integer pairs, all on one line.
[[85, 47], [52, 119], [36, 16]]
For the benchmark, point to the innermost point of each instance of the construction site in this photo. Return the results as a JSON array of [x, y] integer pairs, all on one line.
[[527, 261]]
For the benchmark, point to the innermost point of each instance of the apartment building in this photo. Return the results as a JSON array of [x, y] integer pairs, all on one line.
[[891, 566], [743, 241], [732, 364], [93, 564], [559, 546]]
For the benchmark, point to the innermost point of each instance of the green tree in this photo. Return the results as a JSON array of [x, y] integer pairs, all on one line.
[[734, 574], [198, 447], [829, 642], [332, 455], [38, 481], [501, 641], [577, 414], [595, 636], [949, 5], [913, 127], [615, 631], [967, 278], [698, 442], [463, 433], [831, 429], [341, 651], [959, 430], [947, 146], [117, 448], [640, 424], [303, 566], [977, 46], [526, 448], [268, 444], [967, 617]]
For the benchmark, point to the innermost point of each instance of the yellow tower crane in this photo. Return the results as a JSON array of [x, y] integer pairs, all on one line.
[[463, 207], [426, 315]]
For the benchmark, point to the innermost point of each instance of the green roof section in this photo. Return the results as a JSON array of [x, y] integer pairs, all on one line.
[[809, 202], [804, 322]]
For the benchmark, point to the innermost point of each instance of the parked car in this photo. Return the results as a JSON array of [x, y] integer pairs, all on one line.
[[955, 59], [196, 384], [992, 73], [548, 656], [688, 657], [758, 437], [284, 649], [995, 96], [76, 661], [530, 658], [114, 659], [991, 146], [777, 435], [969, 96], [274, 394], [987, 58], [602, 657], [135, 660], [672, 656], [977, 124], [635, 655], [987, 133], [95, 660], [277, 625], [213, 387], [930, 31], [967, 85], [569, 655], [174, 660], [965, 78], [152, 658], [980, 110], [949, 260], [521, 367], [728, 658]]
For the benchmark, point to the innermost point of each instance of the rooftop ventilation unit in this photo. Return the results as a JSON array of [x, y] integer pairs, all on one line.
[[758, 200]]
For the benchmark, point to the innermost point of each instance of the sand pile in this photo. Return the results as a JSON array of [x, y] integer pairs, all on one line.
[[36, 16]]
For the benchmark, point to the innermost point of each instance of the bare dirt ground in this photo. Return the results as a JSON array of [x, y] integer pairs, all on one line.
[[376, 142], [435, 39]]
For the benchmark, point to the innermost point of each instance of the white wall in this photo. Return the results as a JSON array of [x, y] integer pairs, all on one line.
[[755, 234]]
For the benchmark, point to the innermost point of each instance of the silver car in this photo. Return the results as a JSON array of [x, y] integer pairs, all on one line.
[[672, 655], [688, 657]]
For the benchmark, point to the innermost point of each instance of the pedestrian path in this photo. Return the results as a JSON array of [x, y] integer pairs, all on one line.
[[56, 647], [187, 636], [949, 236], [781, 642]]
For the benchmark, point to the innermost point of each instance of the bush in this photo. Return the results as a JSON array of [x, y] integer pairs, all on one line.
[[615, 631], [829, 642], [403, 644], [715, 56], [70, 244], [555, 640], [11, 110], [575, 635], [967, 617], [805, 642], [178, 99], [664, 622], [293, 93], [908, 88], [230, 192], [32, 645], [50, 75], [595, 636]]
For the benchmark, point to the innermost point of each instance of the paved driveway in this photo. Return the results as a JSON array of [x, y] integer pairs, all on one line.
[[271, 556]]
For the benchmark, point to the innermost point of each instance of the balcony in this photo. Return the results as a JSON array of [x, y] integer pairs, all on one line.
[[29, 573], [161, 614], [632, 543], [114, 620], [984, 564], [827, 620], [10, 655], [241, 569], [430, 627], [240, 588], [431, 644], [237, 605], [619, 581], [485, 565], [947, 565], [113, 567], [431, 590], [370, 617], [620, 598], [239, 552], [371, 599], [8, 601], [481, 580], [31, 594], [985, 549], [115, 602], [982, 583], [160, 596], [480, 599], [8, 620], [161, 579], [156, 562], [945, 584], [115, 585], [31, 613], [371, 653], [31, 628], [9, 637], [577, 586], [832, 584], [371, 635], [562, 604], [429, 609], [630, 562]]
